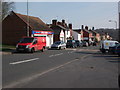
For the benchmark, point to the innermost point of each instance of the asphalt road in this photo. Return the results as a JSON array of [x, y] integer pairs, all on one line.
[[71, 68]]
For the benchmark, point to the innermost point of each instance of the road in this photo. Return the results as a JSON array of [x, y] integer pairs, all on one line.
[[71, 68]]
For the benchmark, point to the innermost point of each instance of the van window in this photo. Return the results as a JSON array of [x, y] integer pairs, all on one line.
[[35, 42], [26, 40]]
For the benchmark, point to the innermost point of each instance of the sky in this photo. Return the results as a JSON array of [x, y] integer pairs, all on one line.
[[91, 14]]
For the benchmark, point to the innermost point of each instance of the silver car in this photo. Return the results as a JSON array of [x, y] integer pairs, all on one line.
[[58, 45]]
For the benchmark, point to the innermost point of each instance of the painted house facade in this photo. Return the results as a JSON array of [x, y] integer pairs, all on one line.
[[62, 31], [15, 26], [77, 34]]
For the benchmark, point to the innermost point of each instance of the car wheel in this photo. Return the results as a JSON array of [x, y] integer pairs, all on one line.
[[119, 54], [32, 50], [59, 48], [103, 51]]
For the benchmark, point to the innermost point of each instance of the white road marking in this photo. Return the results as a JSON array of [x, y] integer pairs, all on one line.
[[26, 80], [56, 55], [71, 52], [19, 62], [51, 55]]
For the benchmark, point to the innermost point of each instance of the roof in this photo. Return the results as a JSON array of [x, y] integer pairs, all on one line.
[[59, 26], [77, 30], [87, 31], [93, 31], [34, 22]]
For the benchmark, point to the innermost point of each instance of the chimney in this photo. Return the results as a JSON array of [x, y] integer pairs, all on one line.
[[86, 27], [82, 27], [54, 22], [93, 28], [70, 25], [63, 21]]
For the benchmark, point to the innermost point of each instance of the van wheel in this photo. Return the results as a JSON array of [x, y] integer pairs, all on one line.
[[43, 49], [32, 50], [103, 51]]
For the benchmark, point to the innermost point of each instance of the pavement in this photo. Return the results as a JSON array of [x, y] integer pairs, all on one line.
[[12, 50], [7, 51]]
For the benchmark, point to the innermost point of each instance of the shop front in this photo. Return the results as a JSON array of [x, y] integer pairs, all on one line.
[[47, 35]]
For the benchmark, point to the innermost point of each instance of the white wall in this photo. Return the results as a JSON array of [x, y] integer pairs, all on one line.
[[76, 35], [62, 36], [67, 34], [49, 40]]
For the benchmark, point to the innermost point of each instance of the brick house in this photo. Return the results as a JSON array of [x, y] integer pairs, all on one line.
[[95, 35], [15, 26], [62, 31], [87, 35]]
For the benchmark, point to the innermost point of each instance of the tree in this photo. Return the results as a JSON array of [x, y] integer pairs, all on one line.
[[7, 7]]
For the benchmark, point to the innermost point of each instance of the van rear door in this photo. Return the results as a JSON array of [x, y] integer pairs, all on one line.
[[41, 42]]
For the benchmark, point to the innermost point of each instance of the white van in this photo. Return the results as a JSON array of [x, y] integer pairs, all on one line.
[[105, 44]]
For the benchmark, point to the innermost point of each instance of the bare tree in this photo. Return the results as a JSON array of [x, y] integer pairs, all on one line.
[[7, 7], [0, 10]]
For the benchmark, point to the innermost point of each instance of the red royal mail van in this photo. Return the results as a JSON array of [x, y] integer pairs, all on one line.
[[31, 44]]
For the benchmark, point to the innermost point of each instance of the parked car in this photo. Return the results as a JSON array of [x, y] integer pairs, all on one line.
[[90, 43], [58, 45], [117, 50], [79, 43], [84, 43], [71, 44], [106, 44], [94, 43], [31, 44]]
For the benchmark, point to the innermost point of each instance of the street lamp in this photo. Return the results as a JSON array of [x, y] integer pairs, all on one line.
[[114, 22]]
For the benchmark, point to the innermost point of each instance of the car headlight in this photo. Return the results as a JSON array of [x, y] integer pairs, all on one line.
[[59, 46], [27, 46]]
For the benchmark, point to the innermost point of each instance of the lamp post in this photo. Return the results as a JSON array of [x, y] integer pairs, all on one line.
[[114, 22]]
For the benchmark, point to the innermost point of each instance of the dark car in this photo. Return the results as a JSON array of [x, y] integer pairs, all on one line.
[[85, 43], [79, 43], [71, 44]]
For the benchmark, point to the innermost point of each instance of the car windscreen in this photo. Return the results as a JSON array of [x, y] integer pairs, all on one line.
[[77, 41], [57, 42], [26, 40]]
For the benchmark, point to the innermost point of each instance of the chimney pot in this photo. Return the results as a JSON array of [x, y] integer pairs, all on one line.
[[54, 22], [70, 25], [63, 21], [86, 27], [82, 27]]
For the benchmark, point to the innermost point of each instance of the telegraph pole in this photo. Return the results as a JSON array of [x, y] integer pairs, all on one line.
[[119, 20], [27, 20]]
